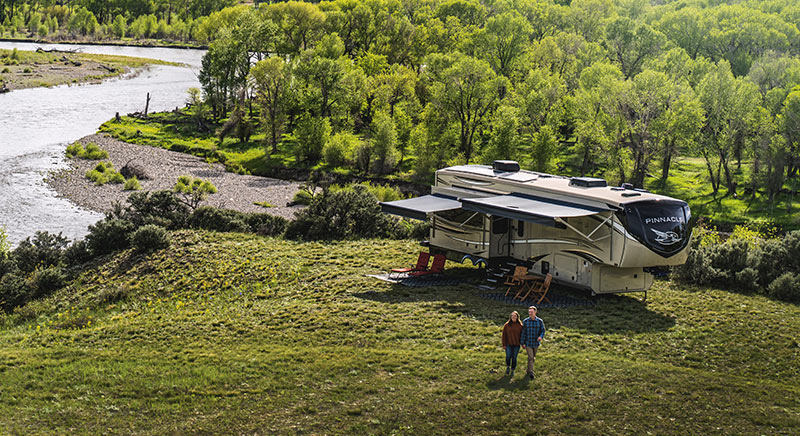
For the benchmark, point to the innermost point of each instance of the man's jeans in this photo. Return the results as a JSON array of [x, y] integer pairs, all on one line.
[[531, 357], [511, 356]]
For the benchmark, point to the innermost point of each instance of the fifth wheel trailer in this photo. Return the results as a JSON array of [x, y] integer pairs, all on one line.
[[585, 233]]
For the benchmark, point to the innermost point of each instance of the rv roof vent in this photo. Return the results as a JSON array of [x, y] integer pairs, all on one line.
[[627, 186], [506, 166], [587, 182]]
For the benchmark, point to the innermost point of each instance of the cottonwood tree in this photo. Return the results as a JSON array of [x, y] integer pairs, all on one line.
[[502, 41], [273, 85], [464, 90], [729, 104]]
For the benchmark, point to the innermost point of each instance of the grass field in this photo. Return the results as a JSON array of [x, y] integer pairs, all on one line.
[[237, 334]]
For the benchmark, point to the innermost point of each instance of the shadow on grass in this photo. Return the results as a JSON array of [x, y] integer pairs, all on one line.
[[613, 314], [519, 382]]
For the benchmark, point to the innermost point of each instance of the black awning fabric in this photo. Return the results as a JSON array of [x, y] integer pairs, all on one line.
[[538, 210], [420, 207]]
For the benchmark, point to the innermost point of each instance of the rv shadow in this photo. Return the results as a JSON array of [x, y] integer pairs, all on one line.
[[610, 314]]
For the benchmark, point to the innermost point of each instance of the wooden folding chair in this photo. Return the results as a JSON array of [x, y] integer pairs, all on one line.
[[514, 279], [422, 265], [538, 288]]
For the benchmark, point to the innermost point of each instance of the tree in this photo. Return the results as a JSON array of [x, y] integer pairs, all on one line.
[[464, 89], [119, 26], [503, 40], [789, 124], [728, 103], [322, 70], [224, 71], [630, 44], [273, 83], [384, 142], [299, 24]]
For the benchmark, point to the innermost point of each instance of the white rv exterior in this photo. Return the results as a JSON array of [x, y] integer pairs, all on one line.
[[585, 233]]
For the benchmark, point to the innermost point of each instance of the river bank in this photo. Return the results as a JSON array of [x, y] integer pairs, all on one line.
[[21, 69], [150, 43], [238, 192]]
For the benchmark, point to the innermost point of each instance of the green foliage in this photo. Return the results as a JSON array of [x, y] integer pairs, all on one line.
[[340, 149], [193, 191], [109, 235], [45, 250], [343, 214], [161, 208], [149, 237], [746, 261], [132, 184], [103, 173], [5, 246], [312, 134], [225, 220], [77, 253]]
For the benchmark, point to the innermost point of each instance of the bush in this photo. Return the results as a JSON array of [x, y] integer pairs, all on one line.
[[150, 238], [91, 152], [265, 224], [339, 151], [161, 208], [220, 220], [786, 287], [344, 214], [303, 196], [193, 190], [14, 291], [109, 235], [132, 184], [44, 282], [77, 254], [44, 251], [312, 134]]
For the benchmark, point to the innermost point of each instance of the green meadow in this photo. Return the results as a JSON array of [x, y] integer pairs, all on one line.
[[226, 333]]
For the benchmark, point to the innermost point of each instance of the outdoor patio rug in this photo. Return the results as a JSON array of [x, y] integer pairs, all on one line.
[[418, 282], [556, 300]]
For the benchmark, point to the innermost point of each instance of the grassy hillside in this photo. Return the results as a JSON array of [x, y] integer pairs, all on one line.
[[236, 334]]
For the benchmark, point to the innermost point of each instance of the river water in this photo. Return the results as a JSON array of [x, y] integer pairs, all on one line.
[[37, 124]]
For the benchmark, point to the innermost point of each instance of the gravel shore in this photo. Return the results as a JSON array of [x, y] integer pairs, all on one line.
[[235, 191]]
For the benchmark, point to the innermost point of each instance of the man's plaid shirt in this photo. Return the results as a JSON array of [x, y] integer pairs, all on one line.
[[532, 330]]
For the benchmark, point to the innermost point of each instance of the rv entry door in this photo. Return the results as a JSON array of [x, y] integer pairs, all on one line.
[[499, 237]]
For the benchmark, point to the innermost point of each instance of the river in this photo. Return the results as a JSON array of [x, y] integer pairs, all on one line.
[[37, 124]]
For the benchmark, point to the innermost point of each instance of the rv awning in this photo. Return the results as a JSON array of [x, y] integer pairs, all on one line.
[[420, 207], [523, 208]]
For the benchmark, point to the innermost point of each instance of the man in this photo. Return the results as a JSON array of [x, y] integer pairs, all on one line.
[[532, 335]]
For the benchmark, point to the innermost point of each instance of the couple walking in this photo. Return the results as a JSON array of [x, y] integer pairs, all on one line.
[[528, 334]]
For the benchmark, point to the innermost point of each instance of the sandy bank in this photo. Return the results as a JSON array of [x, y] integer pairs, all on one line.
[[163, 167]]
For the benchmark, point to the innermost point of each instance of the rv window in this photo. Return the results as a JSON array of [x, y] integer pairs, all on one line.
[[662, 226], [462, 217], [499, 225], [520, 228]]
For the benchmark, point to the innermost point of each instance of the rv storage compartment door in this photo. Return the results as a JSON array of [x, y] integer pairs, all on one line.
[[420, 207]]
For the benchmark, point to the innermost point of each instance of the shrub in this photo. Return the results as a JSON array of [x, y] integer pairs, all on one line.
[[265, 224], [698, 267], [160, 208], [312, 134], [44, 251], [116, 177], [45, 281], [5, 246], [77, 254], [193, 190], [221, 220], [786, 287], [109, 235], [150, 238], [94, 152], [381, 192], [340, 149], [303, 196], [14, 291], [132, 184], [344, 214]]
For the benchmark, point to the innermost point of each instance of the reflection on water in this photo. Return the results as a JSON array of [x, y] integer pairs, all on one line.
[[36, 124]]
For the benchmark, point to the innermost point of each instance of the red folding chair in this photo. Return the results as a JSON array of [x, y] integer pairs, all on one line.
[[422, 265], [437, 267]]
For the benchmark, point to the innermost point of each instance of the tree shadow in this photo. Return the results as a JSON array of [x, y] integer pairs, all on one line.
[[601, 314]]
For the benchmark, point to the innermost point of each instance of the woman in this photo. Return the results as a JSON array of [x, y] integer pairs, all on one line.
[[512, 330]]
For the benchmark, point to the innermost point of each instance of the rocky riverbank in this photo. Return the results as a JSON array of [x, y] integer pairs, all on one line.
[[163, 167]]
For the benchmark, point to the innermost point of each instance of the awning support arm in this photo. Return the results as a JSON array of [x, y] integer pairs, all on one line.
[[589, 236]]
